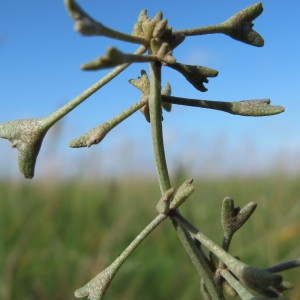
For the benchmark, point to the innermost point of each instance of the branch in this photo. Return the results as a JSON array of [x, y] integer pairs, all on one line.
[[114, 57], [27, 135], [238, 27], [260, 280], [97, 134], [85, 25], [96, 288], [284, 266], [254, 108]]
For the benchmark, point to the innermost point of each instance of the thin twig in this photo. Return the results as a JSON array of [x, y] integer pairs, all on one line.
[[239, 288], [61, 112], [258, 107], [284, 266]]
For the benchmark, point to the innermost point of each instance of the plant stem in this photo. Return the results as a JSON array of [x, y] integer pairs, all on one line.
[[139, 238], [156, 126], [88, 26], [217, 28], [199, 260], [61, 112], [195, 254], [205, 241], [284, 266], [97, 287], [115, 34], [257, 107], [238, 287], [253, 277], [96, 135]]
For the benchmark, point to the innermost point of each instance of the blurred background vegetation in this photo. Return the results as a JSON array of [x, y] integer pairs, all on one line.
[[55, 236]]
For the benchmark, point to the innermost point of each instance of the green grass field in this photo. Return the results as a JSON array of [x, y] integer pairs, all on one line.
[[55, 237]]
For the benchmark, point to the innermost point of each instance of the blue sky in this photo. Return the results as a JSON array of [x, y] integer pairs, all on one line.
[[39, 72]]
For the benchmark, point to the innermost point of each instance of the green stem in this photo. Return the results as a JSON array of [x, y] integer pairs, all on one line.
[[199, 260], [226, 241], [205, 241], [156, 126], [61, 112], [109, 32], [238, 287], [139, 239], [195, 255], [257, 279], [88, 26], [257, 107], [284, 266], [125, 114], [96, 288], [217, 28], [96, 135]]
